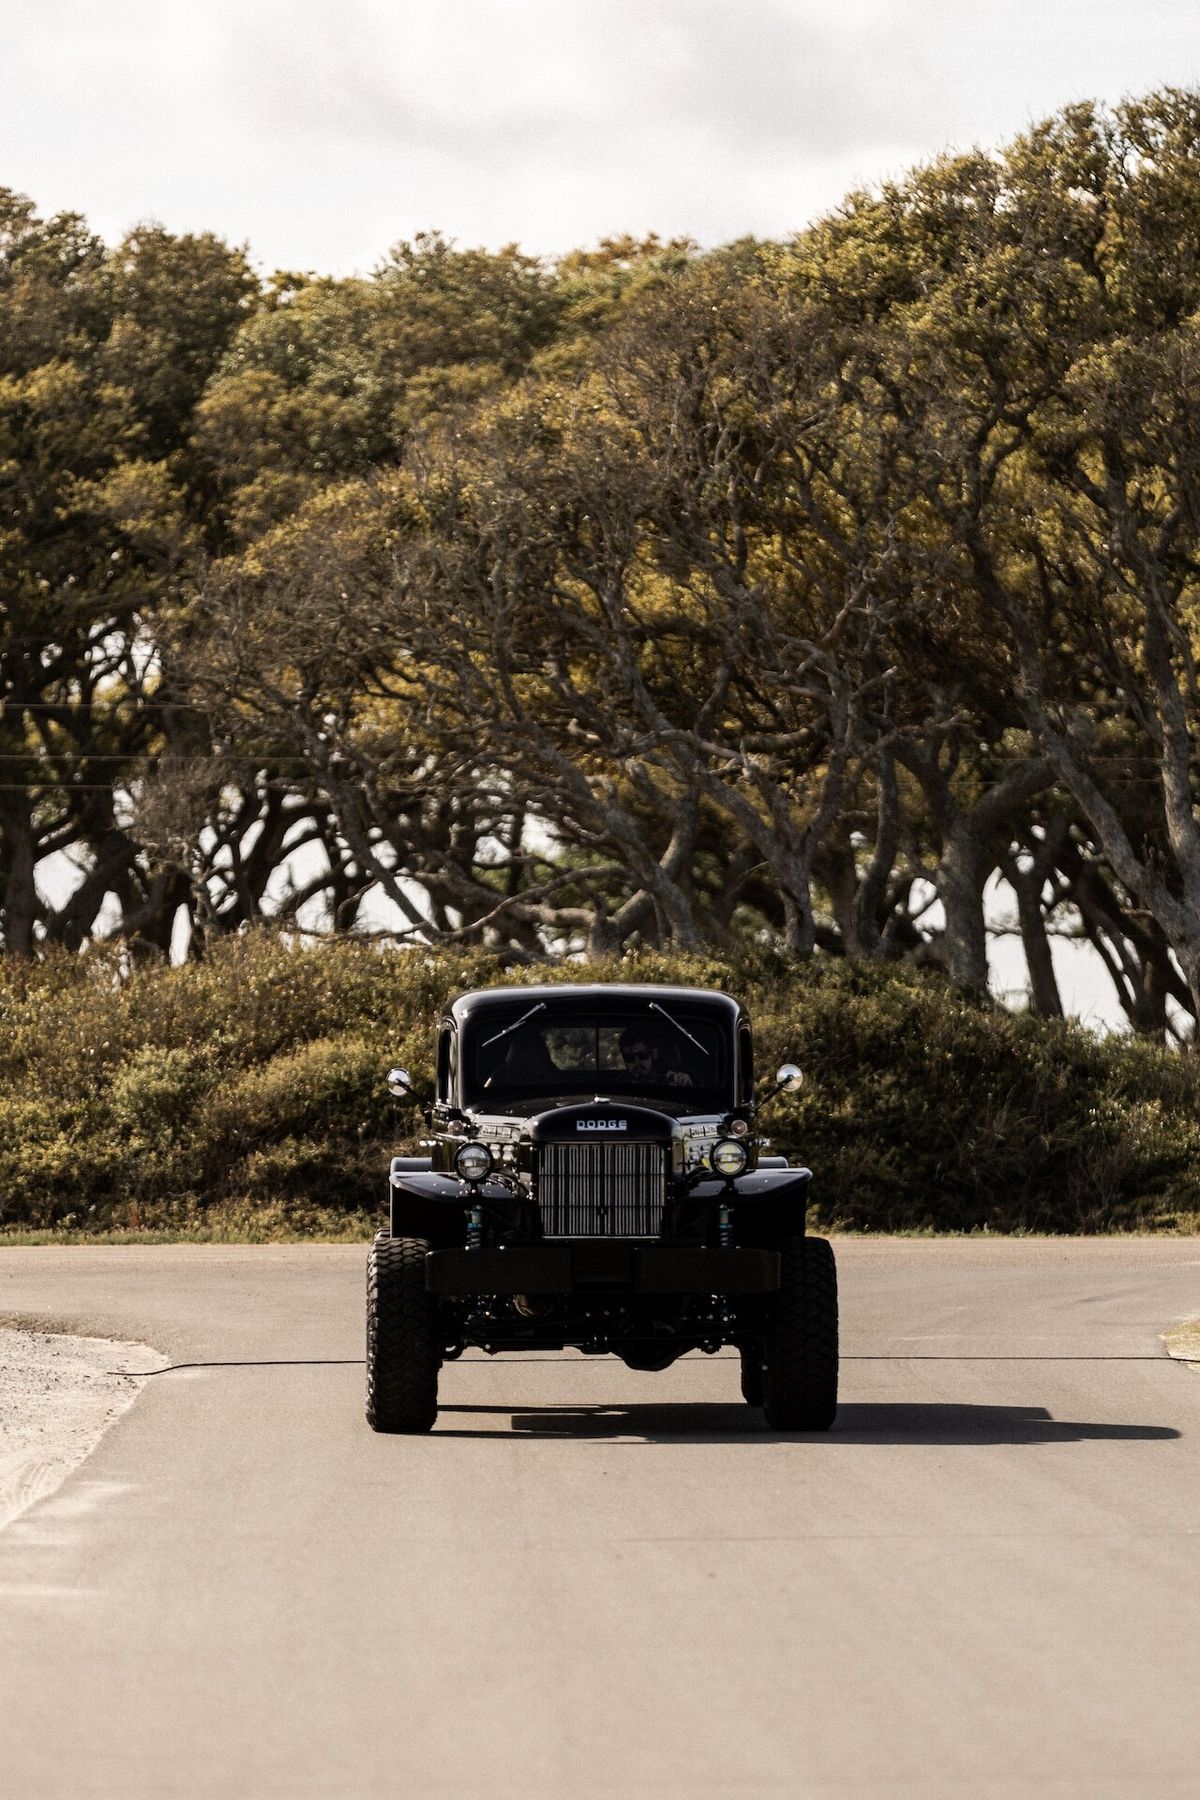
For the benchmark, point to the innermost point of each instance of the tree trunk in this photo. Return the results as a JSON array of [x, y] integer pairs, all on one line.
[[960, 878], [20, 892], [1044, 997], [869, 913], [1029, 885]]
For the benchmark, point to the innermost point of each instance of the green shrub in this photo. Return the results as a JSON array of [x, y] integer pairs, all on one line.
[[250, 1086], [930, 1108], [329, 1088]]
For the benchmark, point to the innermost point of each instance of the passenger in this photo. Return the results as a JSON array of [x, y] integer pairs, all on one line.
[[645, 1060]]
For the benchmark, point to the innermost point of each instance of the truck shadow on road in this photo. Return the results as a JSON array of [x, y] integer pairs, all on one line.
[[874, 1422]]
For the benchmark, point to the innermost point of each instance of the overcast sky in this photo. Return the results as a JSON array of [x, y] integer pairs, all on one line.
[[320, 131]]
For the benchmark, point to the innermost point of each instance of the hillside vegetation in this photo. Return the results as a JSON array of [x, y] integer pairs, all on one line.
[[244, 1094]]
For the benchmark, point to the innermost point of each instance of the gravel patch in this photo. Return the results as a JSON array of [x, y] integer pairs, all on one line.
[[1183, 1341], [58, 1396]]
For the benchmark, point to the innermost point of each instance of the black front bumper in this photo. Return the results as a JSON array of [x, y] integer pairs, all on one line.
[[601, 1266]]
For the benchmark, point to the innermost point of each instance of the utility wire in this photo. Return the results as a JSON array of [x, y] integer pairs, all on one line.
[[70, 704], [51, 758]]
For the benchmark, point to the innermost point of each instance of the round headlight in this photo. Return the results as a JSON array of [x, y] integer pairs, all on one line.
[[473, 1161], [729, 1157]]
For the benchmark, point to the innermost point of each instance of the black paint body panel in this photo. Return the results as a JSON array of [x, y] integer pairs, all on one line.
[[633, 1268]]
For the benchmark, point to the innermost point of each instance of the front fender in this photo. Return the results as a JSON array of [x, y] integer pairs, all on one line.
[[426, 1203], [762, 1185], [770, 1204]]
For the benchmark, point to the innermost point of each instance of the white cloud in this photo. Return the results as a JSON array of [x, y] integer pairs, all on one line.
[[531, 76], [322, 130]]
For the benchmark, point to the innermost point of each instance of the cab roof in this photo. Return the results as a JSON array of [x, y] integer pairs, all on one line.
[[599, 994]]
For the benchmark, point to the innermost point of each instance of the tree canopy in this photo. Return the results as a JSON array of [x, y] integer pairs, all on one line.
[[790, 592]]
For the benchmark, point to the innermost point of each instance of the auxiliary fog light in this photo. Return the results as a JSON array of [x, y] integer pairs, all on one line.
[[729, 1157], [473, 1162]]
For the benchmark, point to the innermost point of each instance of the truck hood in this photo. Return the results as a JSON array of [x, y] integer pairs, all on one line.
[[603, 1121]]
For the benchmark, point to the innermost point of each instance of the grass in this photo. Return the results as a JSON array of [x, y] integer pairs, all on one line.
[[237, 1222]]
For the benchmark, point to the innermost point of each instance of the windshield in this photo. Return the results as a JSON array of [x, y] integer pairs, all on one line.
[[668, 1051]]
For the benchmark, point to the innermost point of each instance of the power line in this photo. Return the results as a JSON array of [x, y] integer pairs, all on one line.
[[48, 784], [51, 758], [72, 705], [76, 787]]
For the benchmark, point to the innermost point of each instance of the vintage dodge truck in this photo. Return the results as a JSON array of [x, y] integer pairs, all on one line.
[[596, 1181]]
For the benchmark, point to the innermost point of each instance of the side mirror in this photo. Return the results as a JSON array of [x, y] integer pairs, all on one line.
[[400, 1084], [788, 1080]]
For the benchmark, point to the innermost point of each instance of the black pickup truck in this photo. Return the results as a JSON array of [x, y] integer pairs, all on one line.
[[596, 1181]]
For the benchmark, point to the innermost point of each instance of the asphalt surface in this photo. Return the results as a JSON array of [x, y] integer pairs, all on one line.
[[984, 1582]]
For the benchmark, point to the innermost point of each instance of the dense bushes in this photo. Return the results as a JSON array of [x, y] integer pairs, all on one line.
[[926, 1107], [249, 1087]]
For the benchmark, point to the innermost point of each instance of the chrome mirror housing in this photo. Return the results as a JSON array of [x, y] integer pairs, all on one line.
[[399, 1083], [789, 1079]]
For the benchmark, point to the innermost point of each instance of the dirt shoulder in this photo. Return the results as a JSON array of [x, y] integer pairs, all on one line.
[[58, 1396], [1183, 1341]]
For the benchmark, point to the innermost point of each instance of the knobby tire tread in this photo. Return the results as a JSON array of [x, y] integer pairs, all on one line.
[[403, 1342], [801, 1376]]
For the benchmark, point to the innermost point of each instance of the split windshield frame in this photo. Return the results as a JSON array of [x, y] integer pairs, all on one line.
[[714, 1071]]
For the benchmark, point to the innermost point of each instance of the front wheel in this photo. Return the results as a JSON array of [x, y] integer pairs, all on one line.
[[801, 1364], [403, 1344]]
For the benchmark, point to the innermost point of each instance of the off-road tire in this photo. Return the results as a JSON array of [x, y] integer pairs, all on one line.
[[403, 1343], [801, 1369], [753, 1377]]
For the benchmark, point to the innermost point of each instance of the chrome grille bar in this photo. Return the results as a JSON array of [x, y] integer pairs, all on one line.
[[602, 1190]]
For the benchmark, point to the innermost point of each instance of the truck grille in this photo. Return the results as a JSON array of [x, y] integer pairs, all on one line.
[[602, 1190]]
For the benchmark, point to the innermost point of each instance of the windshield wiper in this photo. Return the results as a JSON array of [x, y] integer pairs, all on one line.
[[655, 1007], [515, 1026]]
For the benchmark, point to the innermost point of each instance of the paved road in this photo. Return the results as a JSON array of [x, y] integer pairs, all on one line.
[[984, 1582]]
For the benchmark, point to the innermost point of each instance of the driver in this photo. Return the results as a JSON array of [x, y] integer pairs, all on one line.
[[645, 1060]]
